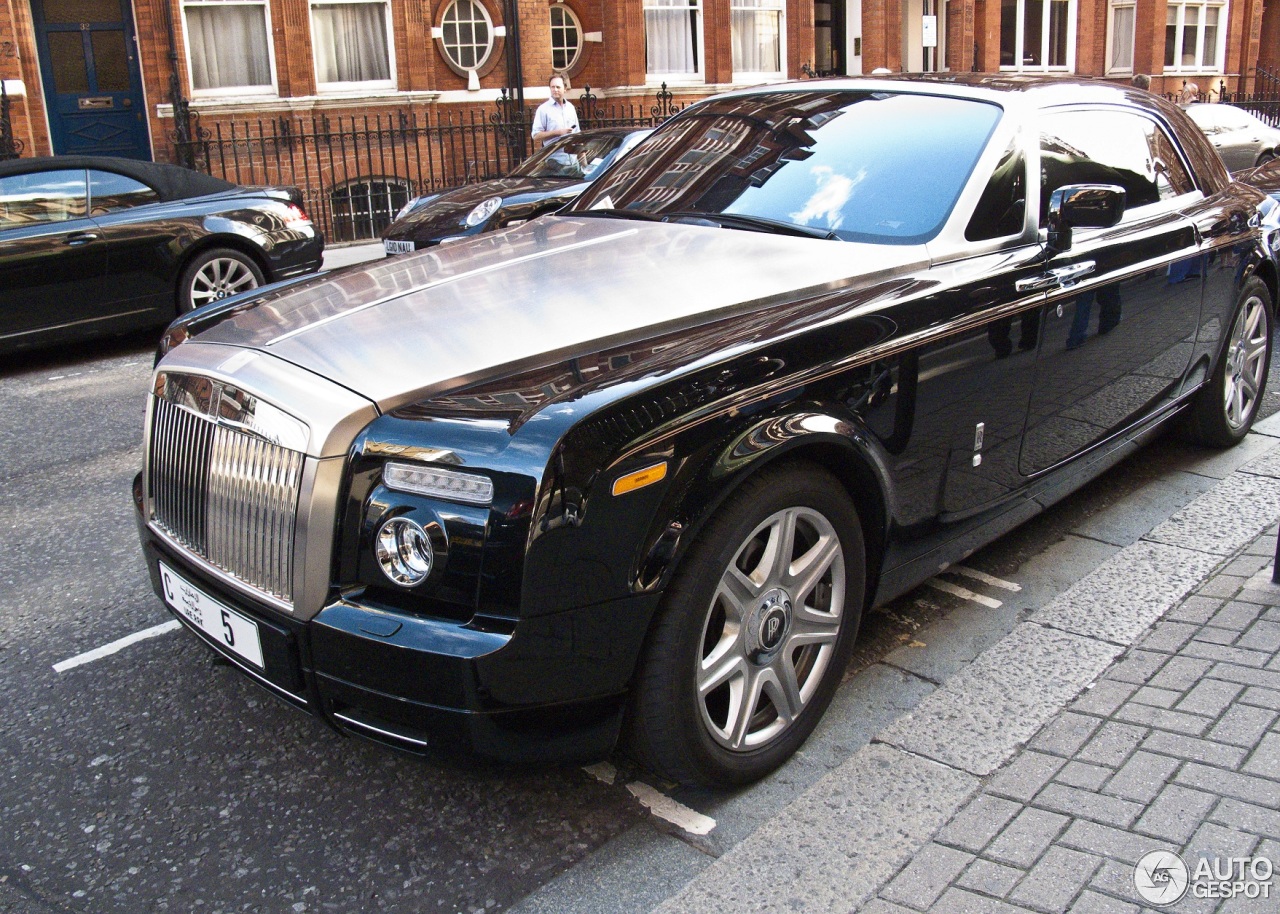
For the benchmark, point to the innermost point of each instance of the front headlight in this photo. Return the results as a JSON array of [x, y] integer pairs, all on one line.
[[407, 208], [483, 211], [452, 485], [404, 552]]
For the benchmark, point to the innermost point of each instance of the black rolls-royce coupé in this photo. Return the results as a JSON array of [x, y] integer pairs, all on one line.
[[637, 469]]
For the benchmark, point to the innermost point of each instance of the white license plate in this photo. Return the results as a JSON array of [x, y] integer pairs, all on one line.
[[234, 632], [397, 247]]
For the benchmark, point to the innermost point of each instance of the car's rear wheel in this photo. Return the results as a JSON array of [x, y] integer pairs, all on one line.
[[216, 274], [1266, 157], [754, 632], [1224, 409]]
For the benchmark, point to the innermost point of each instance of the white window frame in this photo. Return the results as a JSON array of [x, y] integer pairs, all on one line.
[[780, 7], [225, 91], [351, 85], [1073, 14], [576, 23], [1113, 6], [1203, 63], [699, 76], [488, 19]]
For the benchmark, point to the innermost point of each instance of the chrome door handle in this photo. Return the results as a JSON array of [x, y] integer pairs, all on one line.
[[1036, 283], [78, 238], [1057, 277], [1070, 275]]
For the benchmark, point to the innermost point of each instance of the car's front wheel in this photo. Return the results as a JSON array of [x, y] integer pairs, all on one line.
[[214, 275], [754, 632], [1224, 409]]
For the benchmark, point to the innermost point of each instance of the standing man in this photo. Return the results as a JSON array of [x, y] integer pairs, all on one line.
[[555, 117]]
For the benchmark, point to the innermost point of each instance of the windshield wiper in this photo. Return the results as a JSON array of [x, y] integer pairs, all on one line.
[[754, 224]]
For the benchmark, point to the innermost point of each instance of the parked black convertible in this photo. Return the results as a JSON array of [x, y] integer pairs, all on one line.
[[92, 244], [638, 468], [542, 183]]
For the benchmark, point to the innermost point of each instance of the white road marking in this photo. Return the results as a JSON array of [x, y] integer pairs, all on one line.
[[948, 587], [115, 646], [602, 771], [985, 578], [667, 809]]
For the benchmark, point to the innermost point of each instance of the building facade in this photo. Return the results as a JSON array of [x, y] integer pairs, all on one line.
[[363, 103], [103, 75]]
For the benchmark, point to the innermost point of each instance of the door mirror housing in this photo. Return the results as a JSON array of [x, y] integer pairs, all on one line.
[[1081, 206]]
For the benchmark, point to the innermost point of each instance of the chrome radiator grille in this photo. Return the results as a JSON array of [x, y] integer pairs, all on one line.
[[225, 494]]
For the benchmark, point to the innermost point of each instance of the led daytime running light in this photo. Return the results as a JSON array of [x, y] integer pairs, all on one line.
[[451, 485]]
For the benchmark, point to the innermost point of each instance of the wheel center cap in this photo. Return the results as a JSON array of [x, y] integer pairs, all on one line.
[[1237, 358], [769, 625]]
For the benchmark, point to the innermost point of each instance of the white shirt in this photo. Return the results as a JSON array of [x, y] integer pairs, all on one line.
[[552, 116]]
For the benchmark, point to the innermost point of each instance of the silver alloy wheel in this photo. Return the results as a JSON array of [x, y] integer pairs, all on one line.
[[1246, 362], [220, 278], [771, 629]]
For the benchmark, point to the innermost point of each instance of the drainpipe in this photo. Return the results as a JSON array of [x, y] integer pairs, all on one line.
[[515, 64], [181, 133]]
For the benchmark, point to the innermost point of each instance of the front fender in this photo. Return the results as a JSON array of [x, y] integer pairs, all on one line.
[[832, 439]]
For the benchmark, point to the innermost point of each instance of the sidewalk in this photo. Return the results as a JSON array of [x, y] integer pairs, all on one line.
[[1137, 712], [1175, 749], [342, 255]]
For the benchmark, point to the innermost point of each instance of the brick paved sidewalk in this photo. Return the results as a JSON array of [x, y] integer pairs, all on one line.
[[1175, 748]]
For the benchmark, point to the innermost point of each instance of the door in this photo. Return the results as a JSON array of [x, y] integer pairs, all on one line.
[[52, 257], [89, 62], [924, 31], [829, 38], [1119, 325]]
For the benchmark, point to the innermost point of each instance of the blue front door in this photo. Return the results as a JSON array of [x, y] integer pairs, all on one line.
[[89, 61]]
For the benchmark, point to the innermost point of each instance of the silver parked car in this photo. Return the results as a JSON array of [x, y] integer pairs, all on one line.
[[1241, 139]]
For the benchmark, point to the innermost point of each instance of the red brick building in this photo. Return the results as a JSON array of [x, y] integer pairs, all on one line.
[[103, 75]]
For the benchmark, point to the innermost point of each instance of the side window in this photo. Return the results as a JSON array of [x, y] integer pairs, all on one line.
[[1172, 178], [109, 193], [47, 196], [1109, 147], [1003, 207]]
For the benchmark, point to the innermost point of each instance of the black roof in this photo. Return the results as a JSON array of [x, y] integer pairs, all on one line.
[[171, 182]]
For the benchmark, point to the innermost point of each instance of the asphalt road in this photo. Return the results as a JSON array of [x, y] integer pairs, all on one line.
[[156, 779]]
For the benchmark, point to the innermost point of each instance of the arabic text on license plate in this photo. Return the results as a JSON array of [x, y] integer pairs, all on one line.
[[397, 247], [234, 632]]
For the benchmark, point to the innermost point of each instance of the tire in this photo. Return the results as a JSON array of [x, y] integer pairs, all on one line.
[[734, 677], [1223, 411], [216, 274], [1265, 158]]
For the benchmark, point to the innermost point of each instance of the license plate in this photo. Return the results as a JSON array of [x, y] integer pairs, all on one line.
[[231, 630], [397, 247]]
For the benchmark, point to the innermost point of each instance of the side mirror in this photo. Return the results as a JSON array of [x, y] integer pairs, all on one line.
[[1082, 206]]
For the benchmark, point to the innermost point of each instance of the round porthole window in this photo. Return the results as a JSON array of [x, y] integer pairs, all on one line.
[[467, 34], [566, 38]]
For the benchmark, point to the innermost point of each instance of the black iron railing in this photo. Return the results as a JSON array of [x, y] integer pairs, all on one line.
[[10, 146], [355, 172], [1264, 100]]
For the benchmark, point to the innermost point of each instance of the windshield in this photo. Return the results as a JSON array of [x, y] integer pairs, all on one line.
[[579, 156], [861, 166]]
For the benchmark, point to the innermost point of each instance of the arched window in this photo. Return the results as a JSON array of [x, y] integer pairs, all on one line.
[[467, 34], [566, 38], [364, 207]]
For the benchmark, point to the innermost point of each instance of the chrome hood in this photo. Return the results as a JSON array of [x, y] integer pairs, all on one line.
[[412, 326]]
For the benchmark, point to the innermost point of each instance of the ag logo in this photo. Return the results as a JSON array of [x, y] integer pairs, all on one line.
[[1161, 878]]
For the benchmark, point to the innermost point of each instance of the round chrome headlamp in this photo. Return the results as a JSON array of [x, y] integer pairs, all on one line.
[[483, 211], [404, 552]]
